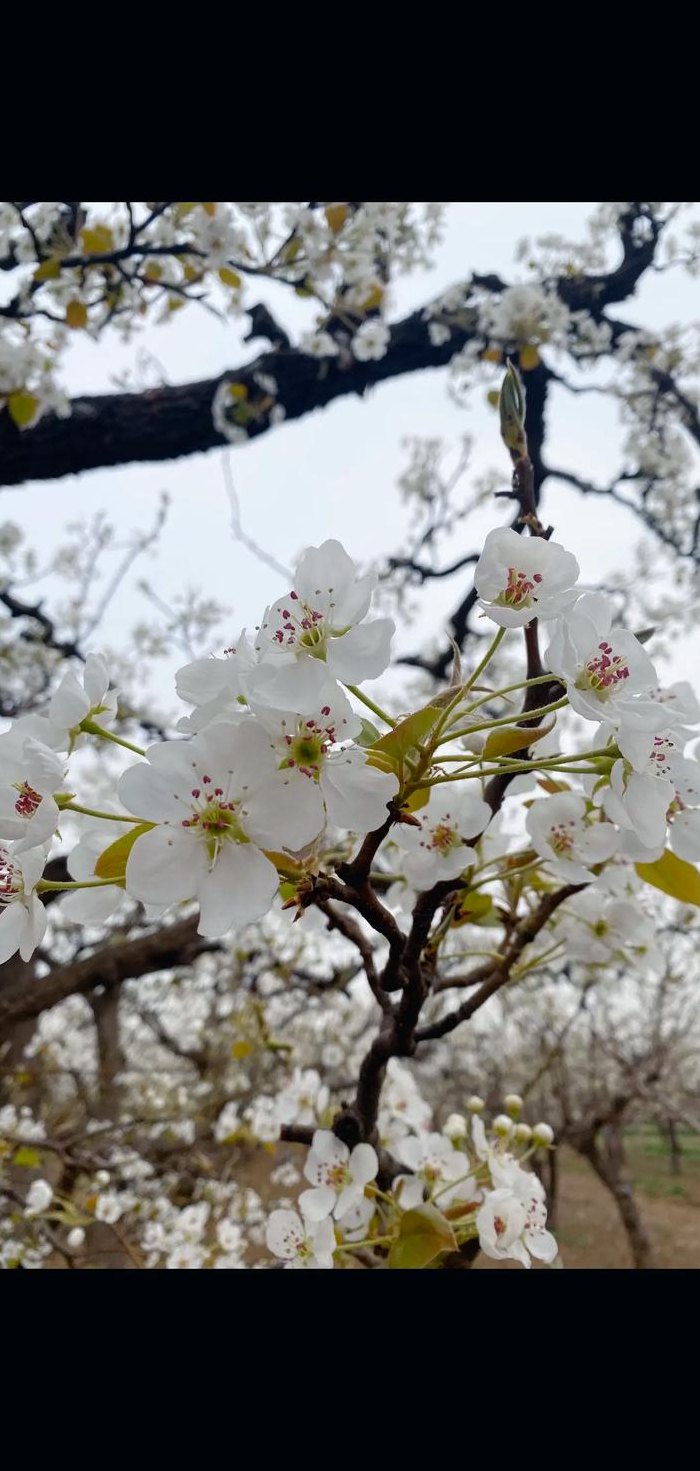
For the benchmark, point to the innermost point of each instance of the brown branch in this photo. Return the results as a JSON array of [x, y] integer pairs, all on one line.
[[176, 944], [174, 420], [524, 933], [346, 926]]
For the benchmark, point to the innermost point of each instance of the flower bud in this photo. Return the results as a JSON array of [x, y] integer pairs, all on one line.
[[543, 1134], [502, 1126], [523, 1133], [456, 1126], [511, 405], [102, 1177], [513, 1104], [75, 1238], [475, 1104]]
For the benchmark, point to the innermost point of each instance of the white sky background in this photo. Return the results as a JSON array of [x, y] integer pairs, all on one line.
[[335, 472]]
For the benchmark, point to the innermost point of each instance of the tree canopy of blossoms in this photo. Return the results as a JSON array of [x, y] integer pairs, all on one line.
[[485, 826]]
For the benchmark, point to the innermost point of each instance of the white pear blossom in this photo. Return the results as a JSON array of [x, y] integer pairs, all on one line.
[[28, 811], [22, 914], [217, 807], [39, 1197], [597, 929], [109, 1206], [356, 1221], [319, 622], [438, 847], [653, 786], [437, 1166], [608, 674], [402, 1108], [519, 578], [334, 783], [371, 340], [561, 833], [681, 705], [215, 686], [89, 698], [337, 1175], [512, 1225], [303, 1099], [300, 1243], [318, 344]]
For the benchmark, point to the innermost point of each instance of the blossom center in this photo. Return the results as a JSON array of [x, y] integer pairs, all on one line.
[[603, 672], [443, 837], [11, 881], [214, 819], [301, 628], [337, 1176], [28, 800], [519, 590], [561, 837], [307, 749], [660, 758]]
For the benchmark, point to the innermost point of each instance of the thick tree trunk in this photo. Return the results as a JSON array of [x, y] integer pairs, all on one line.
[[166, 423], [675, 1152], [606, 1166]]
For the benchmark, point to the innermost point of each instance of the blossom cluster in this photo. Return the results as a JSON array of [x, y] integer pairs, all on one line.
[[82, 268], [272, 781], [463, 1183]]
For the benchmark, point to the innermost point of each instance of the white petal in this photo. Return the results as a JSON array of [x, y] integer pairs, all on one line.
[[355, 793], [363, 1164], [685, 835], [165, 866], [284, 1233], [91, 906], [34, 927], [316, 1204], [324, 570], [362, 653], [239, 888], [288, 813], [70, 704], [328, 1148], [12, 923]]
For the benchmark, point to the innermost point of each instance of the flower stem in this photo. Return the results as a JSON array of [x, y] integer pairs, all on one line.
[[94, 812], [46, 885], [488, 656], [376, 709], [92, 728]]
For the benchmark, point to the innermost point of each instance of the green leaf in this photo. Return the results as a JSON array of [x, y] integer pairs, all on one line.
[[419, 798], [229, 277], [76, 315], [673, 876], [506, 739], [404, 737], [369, 735], [112, 863], [424, 1234], [22, 407], [286, 867], [29, 1158], [48, 270], [97, 240], [472, 909]]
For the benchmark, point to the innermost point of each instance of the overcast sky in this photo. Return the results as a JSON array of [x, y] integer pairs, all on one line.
[[335, 472]]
